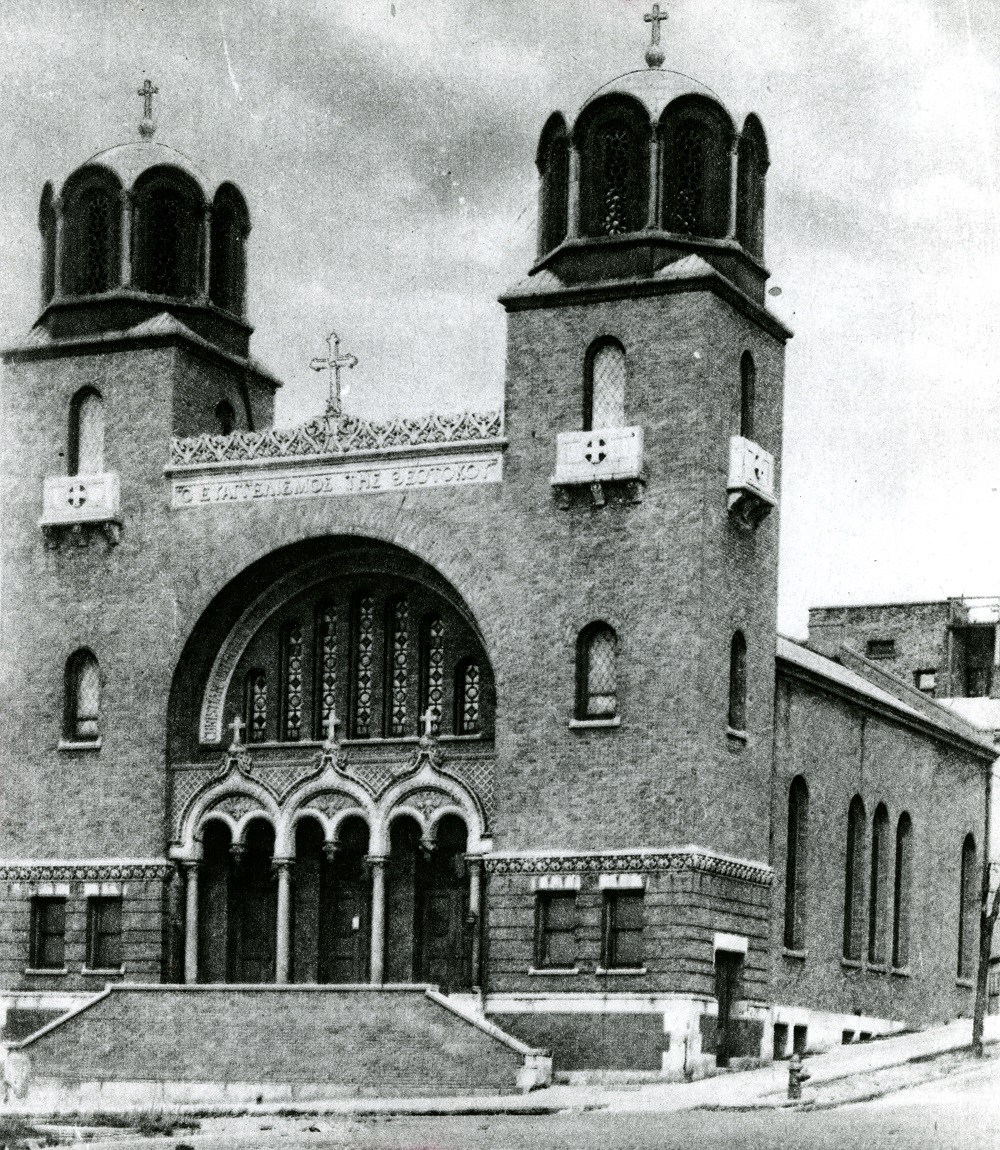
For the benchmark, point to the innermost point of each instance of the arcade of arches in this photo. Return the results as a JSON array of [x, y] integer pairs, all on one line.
[[342, 839]]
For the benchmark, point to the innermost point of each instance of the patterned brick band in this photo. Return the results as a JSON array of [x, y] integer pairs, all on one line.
[[644, 862], [84, 871], [336, 437]]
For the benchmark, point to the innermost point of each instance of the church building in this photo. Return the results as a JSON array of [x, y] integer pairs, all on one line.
[[491, 701]]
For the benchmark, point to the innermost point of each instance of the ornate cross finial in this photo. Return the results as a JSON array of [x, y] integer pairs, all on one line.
[[427, 718], [237, 726], [332, 723], [146, 125], [333, 362], [654, 53]]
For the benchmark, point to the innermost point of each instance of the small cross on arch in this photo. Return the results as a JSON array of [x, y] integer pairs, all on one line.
[[237, 726]]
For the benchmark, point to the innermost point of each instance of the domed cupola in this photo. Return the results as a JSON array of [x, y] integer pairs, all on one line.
[[653, 168], [138, 230]]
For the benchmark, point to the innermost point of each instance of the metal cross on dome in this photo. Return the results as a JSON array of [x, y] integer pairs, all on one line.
[[147, 92], [333, 362], [654, 53]]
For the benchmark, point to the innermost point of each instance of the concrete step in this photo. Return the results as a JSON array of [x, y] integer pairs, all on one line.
[[158, 1045]]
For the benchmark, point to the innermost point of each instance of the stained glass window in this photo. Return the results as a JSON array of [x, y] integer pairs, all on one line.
[[606, 387], [364, 660], [598, 674], [434, 671], [468, 685], [293, 683], [257, 706], [399, 679], [327, 667]]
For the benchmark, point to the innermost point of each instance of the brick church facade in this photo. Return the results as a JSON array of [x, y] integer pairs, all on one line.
[[492, 701]]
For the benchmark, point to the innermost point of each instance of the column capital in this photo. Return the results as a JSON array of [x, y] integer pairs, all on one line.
[[189, 865], [377, 860]]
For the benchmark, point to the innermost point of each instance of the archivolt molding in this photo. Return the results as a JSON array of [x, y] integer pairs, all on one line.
[[423, 790]]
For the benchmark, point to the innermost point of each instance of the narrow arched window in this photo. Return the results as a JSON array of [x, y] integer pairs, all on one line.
[[227, 259], [432, 671], [292, 672], [397, 669], [901, 894], [47, 227], [362, 667], [854, 880], [597, 673], [795, 864], [968, 911], [752, 164], [748, 395], [697, 138], [613, 138], [604, 386], [468, 698], [878, 887], [85, 455], [82, 721], [552, 161], [256, 706], [169, 225], [738, 682], [225, 417], [326, 667]]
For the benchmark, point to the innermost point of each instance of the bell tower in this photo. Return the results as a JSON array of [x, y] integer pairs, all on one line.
[[644, 418]]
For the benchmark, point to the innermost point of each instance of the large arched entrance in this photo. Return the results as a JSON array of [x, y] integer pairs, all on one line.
[[336, 833]]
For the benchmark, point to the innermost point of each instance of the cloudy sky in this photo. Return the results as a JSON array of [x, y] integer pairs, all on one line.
[[386, 150]]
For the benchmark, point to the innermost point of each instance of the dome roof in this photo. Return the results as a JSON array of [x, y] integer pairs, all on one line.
[[129, 161], [655, 88]]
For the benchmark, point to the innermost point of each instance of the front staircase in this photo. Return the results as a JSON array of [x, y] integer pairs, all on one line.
[[162, 1045]]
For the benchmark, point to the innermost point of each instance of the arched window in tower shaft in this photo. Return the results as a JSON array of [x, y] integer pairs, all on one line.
[[696, 183], [227, 262], [47, 228], [748, 395], [613, 139], [604, 386], [553, 169], [597, 673], [85, 454], [902, 893], [168, 226], [738, 682], [752, 163], [82, 698], [795, 864]]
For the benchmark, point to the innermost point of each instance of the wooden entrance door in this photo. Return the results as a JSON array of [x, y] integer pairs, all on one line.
[[344, 941], [441, 911], [728, 968], [253, 909]]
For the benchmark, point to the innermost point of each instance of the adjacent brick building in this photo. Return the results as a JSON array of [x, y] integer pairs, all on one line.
[[493, 701]]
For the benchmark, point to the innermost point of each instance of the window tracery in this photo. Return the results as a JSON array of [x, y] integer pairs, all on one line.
[[613, 137], [433, 692], [604, 390], [293, 683], [83, 697], [399, 669], [697, 136], [468, 687], [257, 706], [597, 685], [364, 669], [328, 667]]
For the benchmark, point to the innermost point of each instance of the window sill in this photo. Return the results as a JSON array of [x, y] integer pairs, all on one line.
[[965, 983], [737, 736], [851, 963], [318, 744], [46, 972], [594, 724], [78, 745], [553, 971], [102, 972], [877, 968], [619, 970], [901, 972], [798, 955]]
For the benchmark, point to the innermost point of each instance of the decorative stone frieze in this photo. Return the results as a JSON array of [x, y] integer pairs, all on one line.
[[87, 870], [638, 862]]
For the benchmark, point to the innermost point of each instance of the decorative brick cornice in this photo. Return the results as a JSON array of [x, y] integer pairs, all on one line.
[[639, 861], [335, 437], [86, 870]]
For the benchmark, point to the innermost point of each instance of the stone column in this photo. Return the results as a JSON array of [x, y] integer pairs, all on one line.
[[654, 178], [191, 920], [206, 253], [573, 212], [734, 185], [476, 914], [377, 964], [57, 271], [283, 943], [125, 274]]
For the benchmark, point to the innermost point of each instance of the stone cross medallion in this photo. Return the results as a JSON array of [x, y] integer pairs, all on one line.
[[237, 726], [77, 495]]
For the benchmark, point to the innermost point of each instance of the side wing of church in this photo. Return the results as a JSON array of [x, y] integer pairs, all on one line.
[[493, 700]]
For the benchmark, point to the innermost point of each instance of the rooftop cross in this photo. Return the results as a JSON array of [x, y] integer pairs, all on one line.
[[333, 362], [654, 53], [146, 126]]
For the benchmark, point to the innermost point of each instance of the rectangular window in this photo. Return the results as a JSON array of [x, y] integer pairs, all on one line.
[[48, 933], [555, 930], [104, 933], [623, 917], [881, 649]]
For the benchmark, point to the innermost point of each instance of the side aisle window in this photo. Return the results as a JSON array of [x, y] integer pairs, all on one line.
[[48, 933], [555, 929], [623, 923]]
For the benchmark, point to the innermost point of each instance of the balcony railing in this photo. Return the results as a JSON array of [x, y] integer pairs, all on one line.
[[750, 488]]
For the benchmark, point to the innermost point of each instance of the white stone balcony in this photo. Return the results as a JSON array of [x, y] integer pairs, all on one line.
[[606, 455], [750, 488], [75, 501]]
